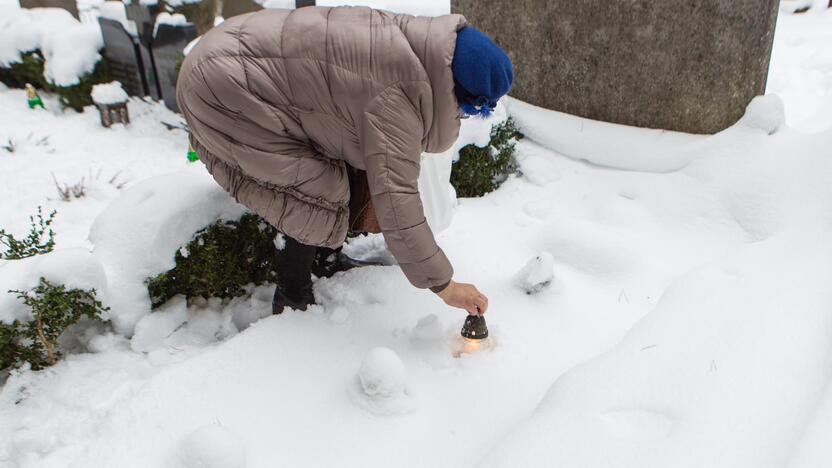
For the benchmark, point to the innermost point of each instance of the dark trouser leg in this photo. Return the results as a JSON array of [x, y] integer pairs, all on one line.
[[293, 267]]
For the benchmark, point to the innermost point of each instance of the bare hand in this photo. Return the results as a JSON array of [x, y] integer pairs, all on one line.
[[464, 296]]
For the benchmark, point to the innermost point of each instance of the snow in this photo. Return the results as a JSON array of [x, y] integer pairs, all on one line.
[[75, 268], [69, 48], [210, 446], [137, 235], [285, 4], [800, 69], [792, 6], [537, 275], [381, 386], [108, 93], [172, 3], [687, 323], [176, 19], [115, 10]]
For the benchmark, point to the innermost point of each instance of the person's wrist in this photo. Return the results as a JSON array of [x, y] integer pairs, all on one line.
[[442, 290]]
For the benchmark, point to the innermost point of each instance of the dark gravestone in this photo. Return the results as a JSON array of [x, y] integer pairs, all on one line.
[[69, 5], [238, 7], [122, 54], [200, 14], [168, 44], [690, 66], [145, 18]]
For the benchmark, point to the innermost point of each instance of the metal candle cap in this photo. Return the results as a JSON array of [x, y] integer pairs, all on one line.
[[475, 328]]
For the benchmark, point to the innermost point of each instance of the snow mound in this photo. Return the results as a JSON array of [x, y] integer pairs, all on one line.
[[602, 143], [139, 233], [765, 113], [108, 93], [74, 268], [636, 149], [69, 47], [537, 274], [381, 384], [699, 367], [210, 446]]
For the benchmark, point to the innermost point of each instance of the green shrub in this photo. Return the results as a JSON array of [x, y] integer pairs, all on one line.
[[219, 261], [54, 308], [30, 70], [41, 239], [78, 96], [483, 170]]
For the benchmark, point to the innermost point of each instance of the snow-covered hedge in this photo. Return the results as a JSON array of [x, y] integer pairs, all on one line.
[[143, 232], [481, 170], [53, 308], [50, 49], [43, 293], [221, 261]]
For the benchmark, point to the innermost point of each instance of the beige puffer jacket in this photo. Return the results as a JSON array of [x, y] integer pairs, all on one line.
[[279, 100]]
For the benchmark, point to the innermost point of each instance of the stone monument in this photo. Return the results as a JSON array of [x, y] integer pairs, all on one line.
[[690, 66]]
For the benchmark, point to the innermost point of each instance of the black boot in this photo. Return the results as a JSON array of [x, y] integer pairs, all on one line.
[[331, 261], [293, 268]]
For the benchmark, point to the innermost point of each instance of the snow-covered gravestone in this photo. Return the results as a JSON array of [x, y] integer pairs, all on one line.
[[111, 101], [381, 384], [537, 275]]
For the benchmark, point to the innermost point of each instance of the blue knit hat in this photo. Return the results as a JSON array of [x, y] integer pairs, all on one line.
[[482, 72]]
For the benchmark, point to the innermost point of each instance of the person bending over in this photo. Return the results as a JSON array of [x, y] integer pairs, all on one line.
[[315, 119]]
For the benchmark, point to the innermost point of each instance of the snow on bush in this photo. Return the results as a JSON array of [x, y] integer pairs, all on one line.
[[138, 235], [480, 170], [537, 274], [54, 308], [74, 268], [220, 261], [174, 325], [108, 93], [40, 238], [69, 48], [381, 384], [43, 295], [210, 446]]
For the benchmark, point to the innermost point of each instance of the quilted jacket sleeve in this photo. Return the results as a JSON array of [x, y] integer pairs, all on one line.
[[391, 134]]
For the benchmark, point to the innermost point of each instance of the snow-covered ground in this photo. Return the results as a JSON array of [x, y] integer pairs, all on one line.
[[688, 322]]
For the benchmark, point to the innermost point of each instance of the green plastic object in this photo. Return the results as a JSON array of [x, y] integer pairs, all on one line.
[[35, 102], [192, 156]]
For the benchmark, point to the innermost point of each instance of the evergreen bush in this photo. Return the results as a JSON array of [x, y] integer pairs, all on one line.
[[219, 262], [30, 70], [482, 170], [54, 308], [41, 239]]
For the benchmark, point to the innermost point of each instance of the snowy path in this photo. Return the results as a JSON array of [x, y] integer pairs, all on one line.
[[688, 324]]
